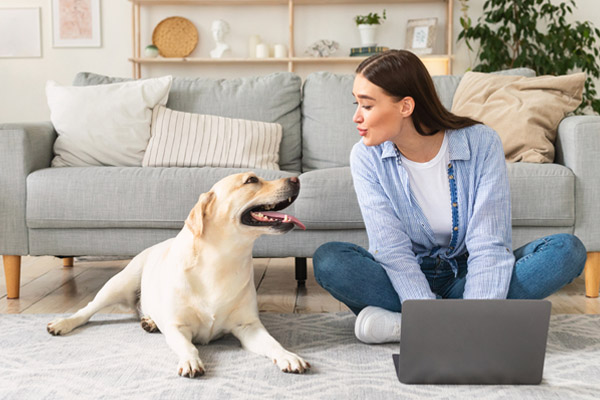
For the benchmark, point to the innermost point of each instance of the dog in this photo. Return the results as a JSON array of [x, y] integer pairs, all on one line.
[[199, 285]]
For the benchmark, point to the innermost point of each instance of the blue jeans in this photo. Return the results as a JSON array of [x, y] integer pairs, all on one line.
[[351, 274]]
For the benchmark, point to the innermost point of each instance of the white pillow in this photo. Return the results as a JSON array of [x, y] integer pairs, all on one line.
[[104, 124], [182, 139]]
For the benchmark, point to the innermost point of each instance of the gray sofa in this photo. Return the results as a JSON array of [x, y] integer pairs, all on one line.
[[110, 211]]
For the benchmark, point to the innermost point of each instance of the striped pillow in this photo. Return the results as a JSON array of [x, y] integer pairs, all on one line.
[[181, 139]]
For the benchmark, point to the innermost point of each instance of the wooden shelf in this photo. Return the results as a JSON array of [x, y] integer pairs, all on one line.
[[441, 63], [203, 60], [271, 60], [271, 2]]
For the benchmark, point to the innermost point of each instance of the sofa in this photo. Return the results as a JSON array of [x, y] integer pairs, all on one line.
[[119, 211]]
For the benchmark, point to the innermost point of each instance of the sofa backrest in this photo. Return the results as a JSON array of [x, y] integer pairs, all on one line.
[[328, 132], [270, 98]]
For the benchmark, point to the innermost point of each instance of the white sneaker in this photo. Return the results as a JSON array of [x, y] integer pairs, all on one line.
[[377, 325]]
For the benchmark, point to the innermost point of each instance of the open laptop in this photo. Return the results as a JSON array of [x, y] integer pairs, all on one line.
[[473, 341]]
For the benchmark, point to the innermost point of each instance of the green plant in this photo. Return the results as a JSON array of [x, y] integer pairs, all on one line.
[[370, 19], [535, 34]]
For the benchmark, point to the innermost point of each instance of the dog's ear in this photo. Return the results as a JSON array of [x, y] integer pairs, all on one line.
[[196, 220]]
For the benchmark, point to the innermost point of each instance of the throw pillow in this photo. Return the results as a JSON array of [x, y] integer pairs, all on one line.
[[104, 124], [524, 111], [181, 139], [273, 98]]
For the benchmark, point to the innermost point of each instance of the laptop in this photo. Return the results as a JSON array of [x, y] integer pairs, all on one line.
[[497, 342]]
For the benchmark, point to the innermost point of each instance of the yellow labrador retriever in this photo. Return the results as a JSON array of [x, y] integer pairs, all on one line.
[[199, 285]]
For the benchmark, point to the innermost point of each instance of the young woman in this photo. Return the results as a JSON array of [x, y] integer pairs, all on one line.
[[434, 195]]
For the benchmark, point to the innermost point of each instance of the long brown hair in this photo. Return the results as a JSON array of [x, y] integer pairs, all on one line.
[[401, 73]]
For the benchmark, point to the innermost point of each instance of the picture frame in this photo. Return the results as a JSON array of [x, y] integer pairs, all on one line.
[[420, 35], [76, 23], [20, 32]]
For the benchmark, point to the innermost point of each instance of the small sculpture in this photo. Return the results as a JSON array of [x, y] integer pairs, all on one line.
[[219, 29], [322, 48]]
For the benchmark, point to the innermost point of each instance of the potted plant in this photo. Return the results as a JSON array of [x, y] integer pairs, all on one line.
[[535, 34], [367, 27]]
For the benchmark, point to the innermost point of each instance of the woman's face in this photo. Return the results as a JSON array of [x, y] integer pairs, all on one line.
[[379, 117]]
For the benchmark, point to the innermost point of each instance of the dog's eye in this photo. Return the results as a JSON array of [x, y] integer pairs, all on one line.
[[252, 179]]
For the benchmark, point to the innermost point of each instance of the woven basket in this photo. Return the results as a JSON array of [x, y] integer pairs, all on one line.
[[175, 37]]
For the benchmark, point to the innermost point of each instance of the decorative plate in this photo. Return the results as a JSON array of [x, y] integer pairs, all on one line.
[[175, 37]]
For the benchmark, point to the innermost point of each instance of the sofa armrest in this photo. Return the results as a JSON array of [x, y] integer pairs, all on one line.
[[578, 148], [24, 148]]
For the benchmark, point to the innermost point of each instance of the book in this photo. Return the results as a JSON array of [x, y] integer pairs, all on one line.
[[363, 51], [364, 54]]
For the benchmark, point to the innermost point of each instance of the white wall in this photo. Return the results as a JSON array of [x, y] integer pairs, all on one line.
[[22, 80]]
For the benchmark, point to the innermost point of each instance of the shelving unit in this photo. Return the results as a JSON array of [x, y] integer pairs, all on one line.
[[137, 60]]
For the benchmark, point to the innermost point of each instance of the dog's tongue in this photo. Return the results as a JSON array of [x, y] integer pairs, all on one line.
[[284, 217]]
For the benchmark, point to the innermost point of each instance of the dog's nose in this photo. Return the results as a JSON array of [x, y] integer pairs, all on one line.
[[294, 181]]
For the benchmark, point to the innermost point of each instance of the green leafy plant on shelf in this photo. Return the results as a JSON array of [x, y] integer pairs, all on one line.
[[534, 34], [370, 19]]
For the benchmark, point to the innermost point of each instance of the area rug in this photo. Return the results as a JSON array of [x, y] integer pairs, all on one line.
[[113, 358]]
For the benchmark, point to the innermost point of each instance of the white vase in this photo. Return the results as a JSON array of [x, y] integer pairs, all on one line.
[[253, 41], [367, 35]]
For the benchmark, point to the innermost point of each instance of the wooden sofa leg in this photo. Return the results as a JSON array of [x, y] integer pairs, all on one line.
[[592, 274], [67, 261], [12, 273], [301, 271]]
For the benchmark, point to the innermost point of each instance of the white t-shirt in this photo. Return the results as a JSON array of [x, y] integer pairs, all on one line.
[[430, 186]]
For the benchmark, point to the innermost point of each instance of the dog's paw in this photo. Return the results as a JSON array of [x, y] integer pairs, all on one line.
[[61, 326], [190, 368], [149, 325], [290, 362]]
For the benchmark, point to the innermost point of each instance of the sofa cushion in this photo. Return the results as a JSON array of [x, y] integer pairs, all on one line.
[[328, 132], [446, 85], [541, 195], [104, 124], [130, 197], [182, 139], [270, 98], [524, 111], [327, 200], [104, 197]]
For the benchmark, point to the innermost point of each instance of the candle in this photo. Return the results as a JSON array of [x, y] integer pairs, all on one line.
[[280, 51], [262, 50]]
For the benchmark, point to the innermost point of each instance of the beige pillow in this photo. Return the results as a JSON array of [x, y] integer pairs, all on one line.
[[181, 139], [524, 111]]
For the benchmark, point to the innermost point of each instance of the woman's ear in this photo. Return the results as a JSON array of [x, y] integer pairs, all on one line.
[[407, 106]]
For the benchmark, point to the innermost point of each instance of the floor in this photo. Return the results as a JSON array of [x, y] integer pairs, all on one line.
[[48, 287]]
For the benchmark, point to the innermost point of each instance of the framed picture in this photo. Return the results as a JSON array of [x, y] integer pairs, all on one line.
[[76, 23], [20, 33], [420, 35]]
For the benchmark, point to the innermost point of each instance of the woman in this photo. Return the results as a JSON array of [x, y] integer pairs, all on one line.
[[434, 195]]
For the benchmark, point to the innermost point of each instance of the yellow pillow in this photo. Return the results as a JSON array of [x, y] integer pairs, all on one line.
[[524, 111]]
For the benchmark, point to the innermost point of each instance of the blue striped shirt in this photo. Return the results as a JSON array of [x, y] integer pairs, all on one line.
[[400, 235]]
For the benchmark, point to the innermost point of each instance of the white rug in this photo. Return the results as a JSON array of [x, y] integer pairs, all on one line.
[[113, 358]]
